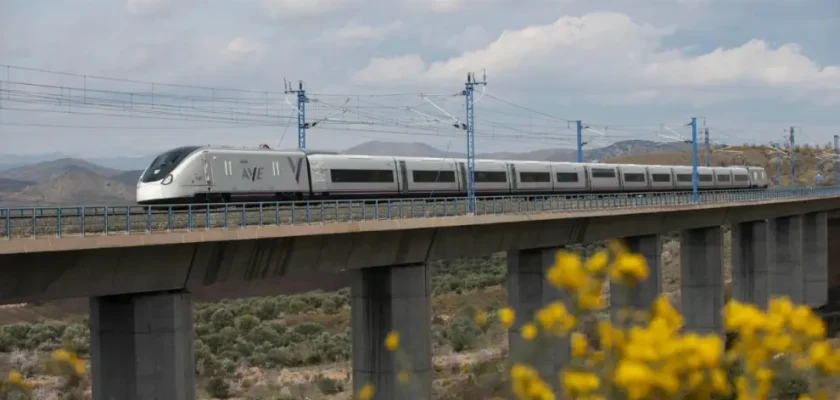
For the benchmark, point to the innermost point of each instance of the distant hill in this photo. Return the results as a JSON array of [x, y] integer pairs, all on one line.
[[46, 170], [13, 185], [75, 187], [129, 178]]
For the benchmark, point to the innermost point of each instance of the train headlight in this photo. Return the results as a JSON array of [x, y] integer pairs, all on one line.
[[166, 180]]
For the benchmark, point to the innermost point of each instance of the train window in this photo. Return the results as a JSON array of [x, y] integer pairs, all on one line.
[[567, 177], [634, 177], [361, 175], [534, 177], [490, 176], [704, 178], [683, 177], [433, 176], [603, 173], [661, 177], [741, 178], [165, 163], [723, 178]]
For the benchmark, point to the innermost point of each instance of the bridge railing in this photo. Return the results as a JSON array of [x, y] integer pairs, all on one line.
[[86, 220]]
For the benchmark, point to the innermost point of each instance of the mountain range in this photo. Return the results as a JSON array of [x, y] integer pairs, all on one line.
[[53, 178]]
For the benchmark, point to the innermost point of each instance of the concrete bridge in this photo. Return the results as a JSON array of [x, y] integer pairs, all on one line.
[[139, 284]]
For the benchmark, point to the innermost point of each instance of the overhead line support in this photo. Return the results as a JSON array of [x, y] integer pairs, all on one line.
[[579, 141], [468, 93], [694, 159], [301, 112]]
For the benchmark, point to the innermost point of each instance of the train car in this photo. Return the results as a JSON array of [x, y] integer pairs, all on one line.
[[723, 177], [491, 177], [429, 176], [569, 177], [603, 178], [661, 178], [530, 177], [740, 178], [354, 176], [758, 178], [223, 174], [633, 178]]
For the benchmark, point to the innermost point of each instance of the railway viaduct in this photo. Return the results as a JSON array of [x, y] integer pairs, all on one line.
[[141, 309]]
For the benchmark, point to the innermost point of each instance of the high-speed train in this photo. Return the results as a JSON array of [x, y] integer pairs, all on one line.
[[211, 174]]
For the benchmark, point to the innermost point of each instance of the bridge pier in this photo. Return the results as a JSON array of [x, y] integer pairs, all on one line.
[[753, 257], [701, 266], [815, 259], [528, 290], [394, 298], [641, 296], [142, 346], [786, 278]]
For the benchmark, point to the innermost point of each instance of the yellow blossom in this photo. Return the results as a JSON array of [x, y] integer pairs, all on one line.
[[629, 268], [480, 318], [578, 345], [507, 316], [567, 272], [598, 262], [392, 341], [402, 377], [529, 331], [366, 392]]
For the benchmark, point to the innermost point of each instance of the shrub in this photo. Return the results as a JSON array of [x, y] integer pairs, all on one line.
[[461, 333], [308, 329], [217, 387], [328, 385], [245, 323], [267, 309], [221, 318]]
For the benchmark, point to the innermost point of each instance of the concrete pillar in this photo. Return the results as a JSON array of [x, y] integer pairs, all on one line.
[[641, 296], [701, 266], [815, 259], [834, 261], [752, 256], [786, 272], [529, 290], [385, 299], [142, 347]]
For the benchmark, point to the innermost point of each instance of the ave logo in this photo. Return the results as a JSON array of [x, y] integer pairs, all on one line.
[[295, 169], [252, 174]]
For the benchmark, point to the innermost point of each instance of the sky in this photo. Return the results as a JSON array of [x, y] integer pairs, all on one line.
[[747, 69]]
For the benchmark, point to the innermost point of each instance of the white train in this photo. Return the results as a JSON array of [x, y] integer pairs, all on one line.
[[210, 174]]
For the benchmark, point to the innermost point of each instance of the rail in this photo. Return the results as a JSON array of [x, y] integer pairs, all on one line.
[[35, 222]]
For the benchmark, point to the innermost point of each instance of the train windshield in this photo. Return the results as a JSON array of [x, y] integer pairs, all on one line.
[[165, 163]]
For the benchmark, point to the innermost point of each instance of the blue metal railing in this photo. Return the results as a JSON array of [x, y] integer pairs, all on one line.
[[33, 222]]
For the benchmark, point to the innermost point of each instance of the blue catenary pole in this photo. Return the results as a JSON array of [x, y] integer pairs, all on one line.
[[301, 103], [694, 159], [468, 93], [579, 141]]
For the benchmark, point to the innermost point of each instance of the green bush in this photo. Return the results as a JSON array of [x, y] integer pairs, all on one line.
[[328, 385], [308, 329], [221, 318], [245, 323], [462, 333], [217, 387]]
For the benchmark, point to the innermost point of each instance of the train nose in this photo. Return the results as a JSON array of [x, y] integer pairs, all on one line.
[[149, 192]]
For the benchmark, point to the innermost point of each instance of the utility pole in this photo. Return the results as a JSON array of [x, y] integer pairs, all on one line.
[[301, 112], [708, 149], [468, 93], [836, 161], [694, 159], [779, 172], [579, 141], [792, 159]]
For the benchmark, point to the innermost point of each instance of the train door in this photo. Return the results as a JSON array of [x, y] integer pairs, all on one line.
[[404, 175], [513, 177], [208, 172], [587, 178], [463, 176]]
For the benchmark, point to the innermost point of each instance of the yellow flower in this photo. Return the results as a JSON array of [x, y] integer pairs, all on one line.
[[634, 378], [616, 246], [366, 392], [392, 341], [61, 355], [402, 377], [529, 331], [567, 272], [629, 268], [480, 318], [507, 316], [579, 383], [598, 262], [15, 377], [78, 367], [578, 344]]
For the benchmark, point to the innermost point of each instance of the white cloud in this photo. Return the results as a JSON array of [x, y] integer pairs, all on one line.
[[354, 33], [303, 8], [607, 52], [243, 49], [471, 38], [147, 7]]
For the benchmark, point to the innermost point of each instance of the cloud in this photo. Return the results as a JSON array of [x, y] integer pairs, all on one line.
[[243, 49], [608, 53], [304, 8], [471, 38], [354, 33], [147, 7]]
